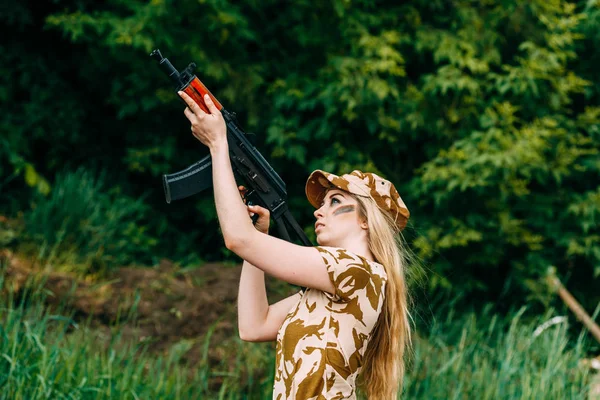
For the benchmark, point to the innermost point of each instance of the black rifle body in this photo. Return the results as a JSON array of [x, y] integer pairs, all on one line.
[[265, 186]]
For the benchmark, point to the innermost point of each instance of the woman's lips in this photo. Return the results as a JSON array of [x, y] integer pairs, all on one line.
[[318, 225]]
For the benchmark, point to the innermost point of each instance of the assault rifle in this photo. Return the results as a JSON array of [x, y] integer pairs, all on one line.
[[265, 186]]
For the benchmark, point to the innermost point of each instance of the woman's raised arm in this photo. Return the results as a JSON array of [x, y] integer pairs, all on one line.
[[295, 264], [289, 262]]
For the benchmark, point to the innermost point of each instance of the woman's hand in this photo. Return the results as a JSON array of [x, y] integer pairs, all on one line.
[[210, 129], [264, 216]]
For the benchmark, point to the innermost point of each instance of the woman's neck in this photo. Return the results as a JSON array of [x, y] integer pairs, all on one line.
[[358, 245]]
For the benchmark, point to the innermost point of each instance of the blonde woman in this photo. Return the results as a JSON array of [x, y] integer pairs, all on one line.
[[350, 328]]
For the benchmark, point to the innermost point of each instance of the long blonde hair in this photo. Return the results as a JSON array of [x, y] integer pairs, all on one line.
[[383, 363]]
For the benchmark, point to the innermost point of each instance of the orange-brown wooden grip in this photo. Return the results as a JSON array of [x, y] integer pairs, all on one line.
[[196, 90]]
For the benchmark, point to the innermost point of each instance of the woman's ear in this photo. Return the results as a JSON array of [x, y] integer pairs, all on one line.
[[364, 224]]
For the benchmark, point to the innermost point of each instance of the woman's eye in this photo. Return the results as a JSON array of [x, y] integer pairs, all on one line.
[[334, 200]]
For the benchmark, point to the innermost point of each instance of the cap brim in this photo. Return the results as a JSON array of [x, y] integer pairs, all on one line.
[[317, 185]]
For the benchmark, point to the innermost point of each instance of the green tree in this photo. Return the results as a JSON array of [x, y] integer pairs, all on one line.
[[484, 114]]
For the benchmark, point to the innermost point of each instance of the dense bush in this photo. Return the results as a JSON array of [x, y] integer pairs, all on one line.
[[484, 114], [85, 219]]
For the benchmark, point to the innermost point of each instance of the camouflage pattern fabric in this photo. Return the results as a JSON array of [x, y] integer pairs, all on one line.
[[321, 343]]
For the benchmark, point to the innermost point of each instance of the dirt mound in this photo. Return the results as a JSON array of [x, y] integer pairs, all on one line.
[[158, 305]]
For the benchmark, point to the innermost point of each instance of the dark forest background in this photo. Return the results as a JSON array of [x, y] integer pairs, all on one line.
[[485, 115]]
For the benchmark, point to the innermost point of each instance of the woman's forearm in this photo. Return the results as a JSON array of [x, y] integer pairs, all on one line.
[[231, 211], [211, 129], [253, 304]]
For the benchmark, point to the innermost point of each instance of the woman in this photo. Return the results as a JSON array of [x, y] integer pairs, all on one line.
[[350, 327]]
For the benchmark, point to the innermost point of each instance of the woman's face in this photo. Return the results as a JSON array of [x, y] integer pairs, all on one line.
[[337, 218]]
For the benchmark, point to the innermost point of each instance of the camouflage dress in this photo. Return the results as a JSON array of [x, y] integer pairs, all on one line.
[[321, 343]]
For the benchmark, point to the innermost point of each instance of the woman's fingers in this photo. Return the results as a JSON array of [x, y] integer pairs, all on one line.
[[211, 106], [192, 105], [262, 222], [262, 212], [243, 192], [259, 210], [190, 115]]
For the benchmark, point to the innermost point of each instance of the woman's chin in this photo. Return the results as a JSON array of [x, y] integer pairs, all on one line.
[[322, 241]]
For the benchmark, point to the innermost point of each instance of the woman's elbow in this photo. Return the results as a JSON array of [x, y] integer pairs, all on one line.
[[249, 336], [246, 338], [230, 243], [236, 243], [255, 333]]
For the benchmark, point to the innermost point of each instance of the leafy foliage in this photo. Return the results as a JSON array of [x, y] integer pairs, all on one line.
[[484, 114]]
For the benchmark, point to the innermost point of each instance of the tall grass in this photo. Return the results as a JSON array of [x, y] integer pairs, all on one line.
[[90, 223], [481, 357], [47, 355]]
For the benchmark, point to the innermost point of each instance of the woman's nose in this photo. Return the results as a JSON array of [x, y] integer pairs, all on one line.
[[318, 213]]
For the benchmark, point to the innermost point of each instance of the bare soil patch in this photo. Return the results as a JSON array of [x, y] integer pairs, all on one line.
[[159, 305]]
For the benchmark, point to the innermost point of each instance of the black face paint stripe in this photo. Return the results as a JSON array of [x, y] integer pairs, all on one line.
[[343, 210]]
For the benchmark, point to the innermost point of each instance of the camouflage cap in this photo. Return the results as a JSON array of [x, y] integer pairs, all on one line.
[[365, 184]]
